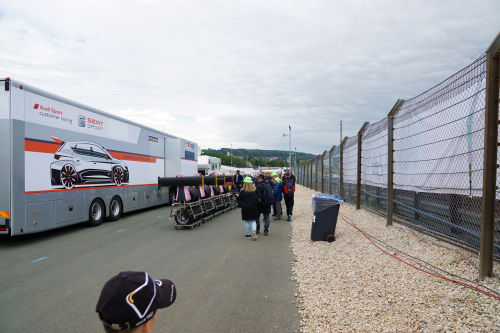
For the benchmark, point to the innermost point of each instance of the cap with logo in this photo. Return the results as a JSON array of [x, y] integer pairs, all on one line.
[[247, 180], [129, 299], [274, 173]]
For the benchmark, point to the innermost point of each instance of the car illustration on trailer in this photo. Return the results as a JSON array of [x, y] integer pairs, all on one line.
[[86, 163]]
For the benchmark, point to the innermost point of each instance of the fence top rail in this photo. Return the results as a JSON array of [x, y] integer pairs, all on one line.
[[395, 108], [452, 86], [495, 45]]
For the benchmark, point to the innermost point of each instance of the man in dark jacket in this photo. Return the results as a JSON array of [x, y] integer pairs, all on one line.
[[238, 180], [265, 200], [288, 193]]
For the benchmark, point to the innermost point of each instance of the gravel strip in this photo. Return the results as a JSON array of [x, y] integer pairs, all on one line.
[[350, 285]]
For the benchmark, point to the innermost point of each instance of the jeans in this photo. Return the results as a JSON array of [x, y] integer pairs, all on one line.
[[266, 222], [277, 208], [250, 224], [289, 204]]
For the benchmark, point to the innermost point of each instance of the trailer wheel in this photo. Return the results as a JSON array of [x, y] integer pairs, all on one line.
[[68, 176], [115, 208], [96, 212], [118, 175]]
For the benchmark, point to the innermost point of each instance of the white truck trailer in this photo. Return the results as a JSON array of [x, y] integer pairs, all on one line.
[[207, 165], [65, 163]]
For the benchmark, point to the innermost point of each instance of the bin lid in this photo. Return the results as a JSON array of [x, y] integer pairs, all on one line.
[[327, 197], [322, 201]]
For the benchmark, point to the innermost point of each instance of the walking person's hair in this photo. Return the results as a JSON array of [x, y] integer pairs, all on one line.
[[248, 187]]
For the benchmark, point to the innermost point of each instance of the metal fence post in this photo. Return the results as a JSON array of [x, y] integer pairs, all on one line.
[[341, 166], [316, 173], [390, 159], [330, 156], [490, 160], [358, 181], [300, 174], [306, 180], [296, 172], [323, 172], [310, 174]]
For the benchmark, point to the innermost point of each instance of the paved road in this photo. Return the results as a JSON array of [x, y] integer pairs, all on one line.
[[226, 283]]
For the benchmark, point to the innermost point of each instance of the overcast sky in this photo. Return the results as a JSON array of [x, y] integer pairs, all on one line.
[[222, 72]]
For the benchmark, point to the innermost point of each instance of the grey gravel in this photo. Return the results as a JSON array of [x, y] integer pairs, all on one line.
[[350, 285]]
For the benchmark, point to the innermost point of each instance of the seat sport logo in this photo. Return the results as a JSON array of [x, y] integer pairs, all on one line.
[[89, 122]]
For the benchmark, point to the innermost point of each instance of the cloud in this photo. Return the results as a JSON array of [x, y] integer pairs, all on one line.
[[240, 72]]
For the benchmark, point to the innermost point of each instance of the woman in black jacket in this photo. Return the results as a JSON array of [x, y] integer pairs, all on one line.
[[249, 208]]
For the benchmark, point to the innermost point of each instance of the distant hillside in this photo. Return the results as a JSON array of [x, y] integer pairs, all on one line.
[[255, 157]]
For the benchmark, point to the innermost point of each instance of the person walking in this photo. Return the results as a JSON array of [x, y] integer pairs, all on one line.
[[265, 200], [278, 196], [274, 174], [247, 200], [288, 193]]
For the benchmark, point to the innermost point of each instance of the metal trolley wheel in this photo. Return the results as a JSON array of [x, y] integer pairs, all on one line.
[[181, 218]]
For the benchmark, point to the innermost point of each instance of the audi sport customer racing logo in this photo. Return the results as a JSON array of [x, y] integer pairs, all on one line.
[[50, 112]]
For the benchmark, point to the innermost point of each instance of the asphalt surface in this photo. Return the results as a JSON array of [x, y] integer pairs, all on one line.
[[50, 282]]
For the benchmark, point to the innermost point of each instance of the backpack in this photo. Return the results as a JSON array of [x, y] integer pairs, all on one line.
[[289, 186], [268, 194]]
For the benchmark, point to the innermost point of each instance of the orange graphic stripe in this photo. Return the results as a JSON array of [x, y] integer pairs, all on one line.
[[51, 148], [4, 214], [87, 188], [41, 147], [133, 157]]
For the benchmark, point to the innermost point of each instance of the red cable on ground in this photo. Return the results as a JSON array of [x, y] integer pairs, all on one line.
[[418, 268]]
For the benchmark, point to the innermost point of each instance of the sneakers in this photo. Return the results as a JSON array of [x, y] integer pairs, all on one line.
[[289, 218], [258, 232], [266, 232], [248, 236], [254, 236], [276, 218]]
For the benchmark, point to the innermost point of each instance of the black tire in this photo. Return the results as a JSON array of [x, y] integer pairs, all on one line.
[[181, 218], [171, 197], [330, 238], [118, 175], [115, 209], [96, 212]]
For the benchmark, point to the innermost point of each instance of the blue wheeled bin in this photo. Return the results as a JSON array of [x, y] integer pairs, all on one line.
[[325, 210]]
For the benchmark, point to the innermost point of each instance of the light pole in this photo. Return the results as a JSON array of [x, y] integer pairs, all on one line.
[[231, 155], [289, 147]]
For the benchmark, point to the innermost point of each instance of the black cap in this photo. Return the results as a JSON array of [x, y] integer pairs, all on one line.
[[129, 299]]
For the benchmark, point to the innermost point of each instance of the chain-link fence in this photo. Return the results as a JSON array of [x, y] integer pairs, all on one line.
[[438, 155], [374, 166], [434, 144], [350, 168]]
